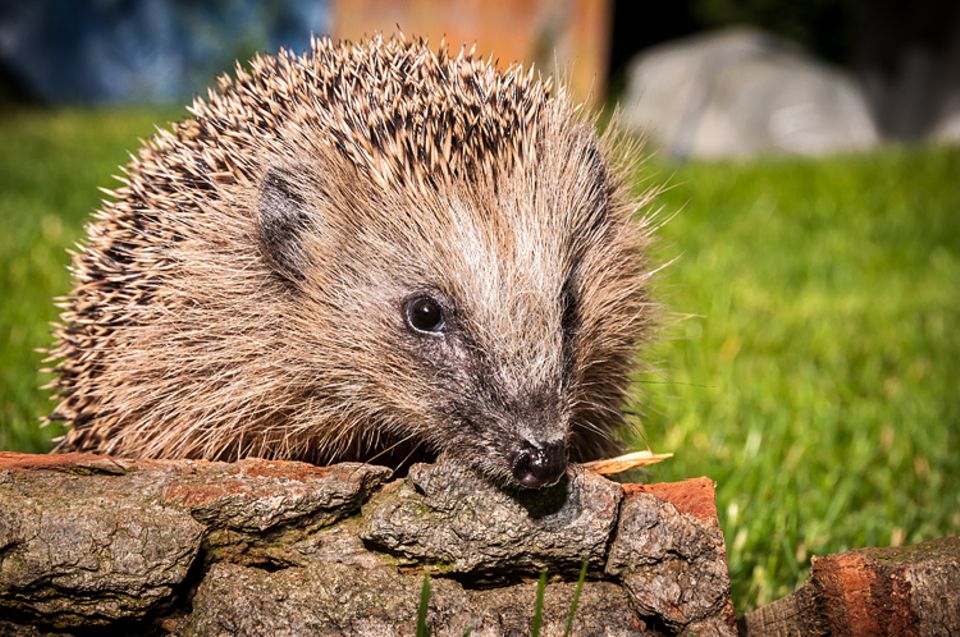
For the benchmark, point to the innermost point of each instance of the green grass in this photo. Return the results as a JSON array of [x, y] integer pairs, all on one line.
[[422, 629], [536, 623], [51, 164], [817, 378], [537, 620]]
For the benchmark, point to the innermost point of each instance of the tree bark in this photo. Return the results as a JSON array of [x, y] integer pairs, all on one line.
[[912, 591], [91, 543]]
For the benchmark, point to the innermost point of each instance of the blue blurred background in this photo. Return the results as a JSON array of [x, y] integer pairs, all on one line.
[[150, 51]]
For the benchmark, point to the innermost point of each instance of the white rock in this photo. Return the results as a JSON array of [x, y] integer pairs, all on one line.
[[741, 92]]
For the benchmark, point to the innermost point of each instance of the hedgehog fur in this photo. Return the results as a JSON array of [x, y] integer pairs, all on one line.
[[246, 290]]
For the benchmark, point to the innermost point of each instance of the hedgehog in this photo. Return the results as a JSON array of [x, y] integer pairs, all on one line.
[[370, 251]]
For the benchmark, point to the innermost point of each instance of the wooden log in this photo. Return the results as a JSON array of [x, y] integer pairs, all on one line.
[[97, 545], [911, 591]]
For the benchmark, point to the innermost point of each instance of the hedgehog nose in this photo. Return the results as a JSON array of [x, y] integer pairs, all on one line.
[[536, 467]]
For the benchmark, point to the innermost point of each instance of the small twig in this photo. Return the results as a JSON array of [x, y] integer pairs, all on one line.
[[625, 462]]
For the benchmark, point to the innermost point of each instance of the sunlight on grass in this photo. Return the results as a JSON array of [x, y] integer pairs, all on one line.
[[50, 167], [817, 379]]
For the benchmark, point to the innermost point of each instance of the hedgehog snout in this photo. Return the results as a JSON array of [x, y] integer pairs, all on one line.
[[538, 465]]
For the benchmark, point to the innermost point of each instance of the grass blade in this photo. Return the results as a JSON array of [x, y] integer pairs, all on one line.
[[422, 611], [576, 599], [538, 605]]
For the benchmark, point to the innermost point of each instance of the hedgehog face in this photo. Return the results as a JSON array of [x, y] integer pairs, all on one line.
[[467, 343], [503, 411], [477, 311]]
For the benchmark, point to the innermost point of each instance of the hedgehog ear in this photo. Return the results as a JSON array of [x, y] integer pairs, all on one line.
[[283, 218]]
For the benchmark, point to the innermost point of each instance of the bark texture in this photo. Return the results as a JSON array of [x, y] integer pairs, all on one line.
[[912, 591], [90, 543]]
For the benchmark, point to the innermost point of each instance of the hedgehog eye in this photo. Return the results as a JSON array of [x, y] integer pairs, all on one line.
[[424, 314]]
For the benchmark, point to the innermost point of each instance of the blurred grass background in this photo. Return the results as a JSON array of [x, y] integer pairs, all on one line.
[[819, 381], [51, 164], [816, 378]]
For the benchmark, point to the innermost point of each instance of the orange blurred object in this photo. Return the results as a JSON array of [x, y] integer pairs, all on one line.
[[569, 39]]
